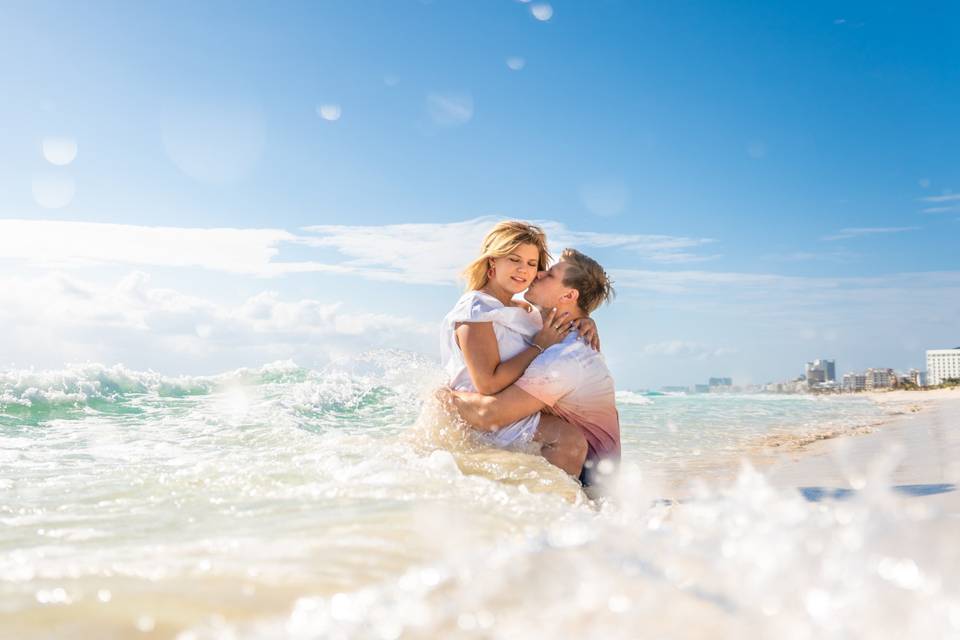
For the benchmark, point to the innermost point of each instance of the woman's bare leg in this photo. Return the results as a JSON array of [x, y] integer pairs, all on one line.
[[563, 444]]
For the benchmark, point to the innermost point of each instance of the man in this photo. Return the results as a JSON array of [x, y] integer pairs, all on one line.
[[569, 381]]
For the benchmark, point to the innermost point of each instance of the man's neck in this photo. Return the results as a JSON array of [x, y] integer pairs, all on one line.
[[574, 311]]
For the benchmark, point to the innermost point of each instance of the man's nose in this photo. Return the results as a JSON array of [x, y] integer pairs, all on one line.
[[540, 274]]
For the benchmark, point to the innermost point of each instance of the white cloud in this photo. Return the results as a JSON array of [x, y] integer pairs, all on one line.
[[787, 304], [941, 209], [857, 232], [66, 244], [656, 248], [429, 253], [70, 319], [946, 197], [434, 253], [684, 349], [700, 281], [810, 256], [450, 109]]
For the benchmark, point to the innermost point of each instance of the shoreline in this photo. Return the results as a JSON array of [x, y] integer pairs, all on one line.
[[915, 449]]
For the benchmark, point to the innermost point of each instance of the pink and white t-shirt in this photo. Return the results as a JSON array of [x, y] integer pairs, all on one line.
[[573, 380]]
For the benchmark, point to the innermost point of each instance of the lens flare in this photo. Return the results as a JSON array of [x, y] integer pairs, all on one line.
[[60, 151], [329, 112], [215, 143], [542, 11], [605, 198], [53, 191]]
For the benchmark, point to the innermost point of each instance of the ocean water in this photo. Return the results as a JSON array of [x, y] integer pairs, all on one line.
[[282, 502]]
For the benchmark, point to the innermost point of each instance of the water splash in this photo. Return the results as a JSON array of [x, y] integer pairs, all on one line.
[[282, 501]]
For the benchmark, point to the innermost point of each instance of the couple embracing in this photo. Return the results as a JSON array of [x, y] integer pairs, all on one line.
[[530, 371]]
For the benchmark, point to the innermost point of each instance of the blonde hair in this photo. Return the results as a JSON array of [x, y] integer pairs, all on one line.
[[585, 274], [501, 241]]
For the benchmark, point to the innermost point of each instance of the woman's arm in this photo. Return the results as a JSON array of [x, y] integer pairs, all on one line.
[[478, 343]]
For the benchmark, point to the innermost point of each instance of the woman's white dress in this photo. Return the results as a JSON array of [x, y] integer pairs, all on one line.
[[513, 326]]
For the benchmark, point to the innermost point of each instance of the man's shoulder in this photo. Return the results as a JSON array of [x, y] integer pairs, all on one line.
[[568, 356]]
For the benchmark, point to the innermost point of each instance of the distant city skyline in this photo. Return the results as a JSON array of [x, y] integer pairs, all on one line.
[[197, 188]]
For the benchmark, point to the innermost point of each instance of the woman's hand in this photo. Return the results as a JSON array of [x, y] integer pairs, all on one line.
[[588, 331], [555, 328]]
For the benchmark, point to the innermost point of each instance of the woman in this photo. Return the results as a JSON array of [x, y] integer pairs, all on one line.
[[490, 338]]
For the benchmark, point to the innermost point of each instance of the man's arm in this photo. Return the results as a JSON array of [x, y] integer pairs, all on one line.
[[490, 413]]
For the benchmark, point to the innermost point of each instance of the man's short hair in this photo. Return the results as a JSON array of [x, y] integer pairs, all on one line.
[[585, 274]]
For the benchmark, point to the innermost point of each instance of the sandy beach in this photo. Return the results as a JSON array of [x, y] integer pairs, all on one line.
[[916, 451]]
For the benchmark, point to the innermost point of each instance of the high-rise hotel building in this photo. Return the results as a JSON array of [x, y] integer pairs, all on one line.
[[942, 364]]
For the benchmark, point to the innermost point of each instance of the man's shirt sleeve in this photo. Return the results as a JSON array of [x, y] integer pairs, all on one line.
[[551, 375]]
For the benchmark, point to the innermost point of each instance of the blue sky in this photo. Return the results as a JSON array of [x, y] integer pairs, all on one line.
[[767, 183]]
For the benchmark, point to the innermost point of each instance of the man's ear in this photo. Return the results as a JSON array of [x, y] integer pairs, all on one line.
[[572, 295]]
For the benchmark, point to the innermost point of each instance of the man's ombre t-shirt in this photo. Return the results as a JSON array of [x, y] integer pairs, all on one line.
[[573, 380]]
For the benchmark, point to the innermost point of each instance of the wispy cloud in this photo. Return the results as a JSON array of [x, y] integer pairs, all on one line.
[[857, 232], [412, 253], [450, 109], [810, 256], [941, 209], [783, 302], [685, 349], [695, 281], [436, 253], [655, 248], [946, 197]]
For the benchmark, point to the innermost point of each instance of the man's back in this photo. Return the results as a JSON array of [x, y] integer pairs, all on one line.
[[573, 380]]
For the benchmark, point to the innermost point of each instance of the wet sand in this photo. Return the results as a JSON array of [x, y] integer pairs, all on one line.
[[916, 451]]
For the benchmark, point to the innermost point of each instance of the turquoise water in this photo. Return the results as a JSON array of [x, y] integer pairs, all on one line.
[[674, 432], [285, 502]]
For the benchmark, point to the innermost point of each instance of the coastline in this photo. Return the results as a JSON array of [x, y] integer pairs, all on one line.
[[916, 449]]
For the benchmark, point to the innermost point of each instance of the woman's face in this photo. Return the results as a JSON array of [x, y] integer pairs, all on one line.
[[516, 270]]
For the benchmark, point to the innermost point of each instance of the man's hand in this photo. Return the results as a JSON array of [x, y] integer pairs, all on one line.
[[491, 413], [444, 396], [587, 328]]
